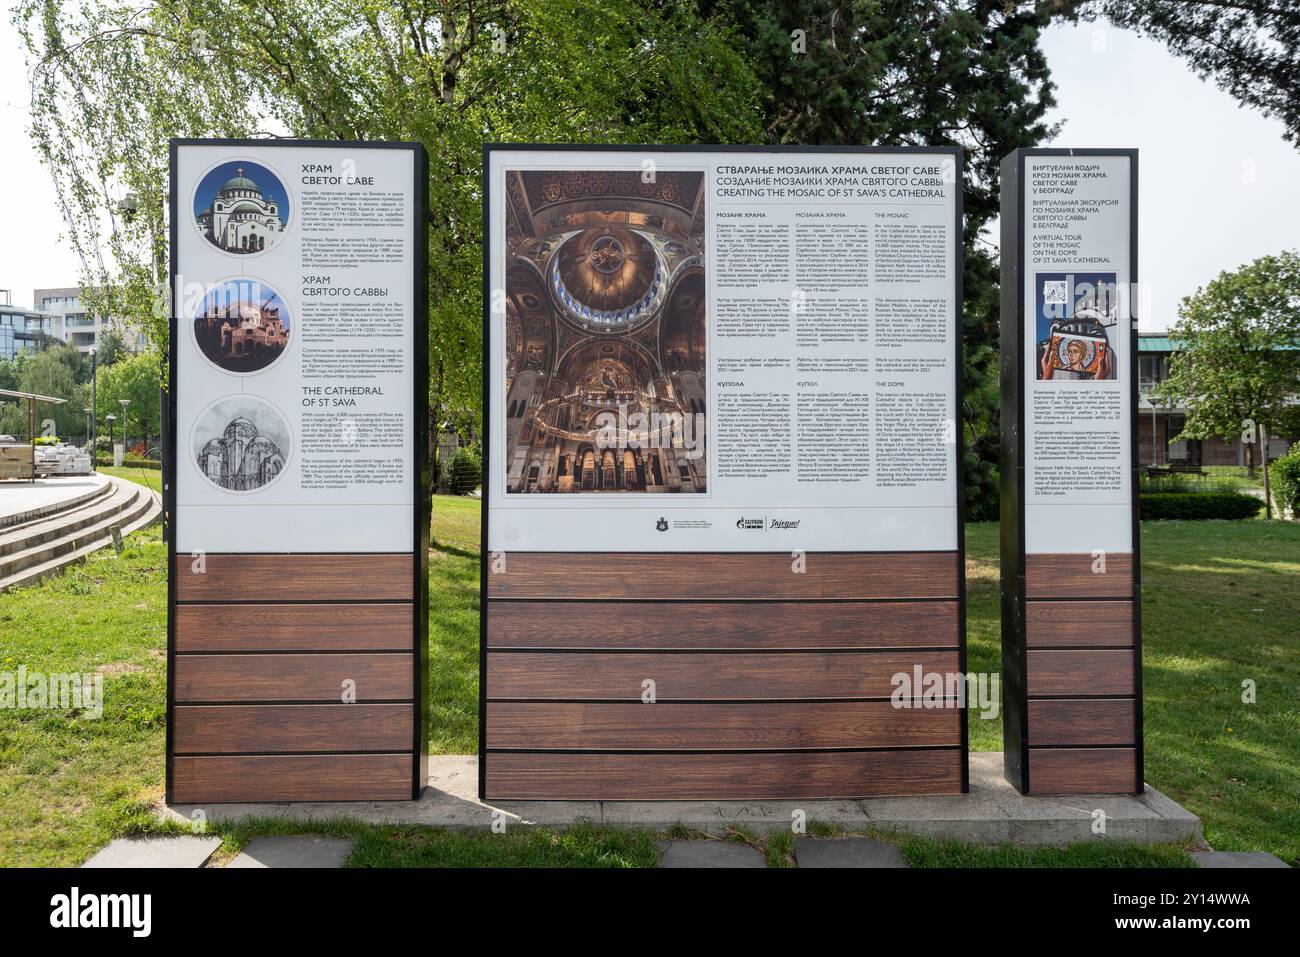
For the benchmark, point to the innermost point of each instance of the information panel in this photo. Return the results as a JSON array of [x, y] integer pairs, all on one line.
[[1071, 632], [723, 474], [296, 472], [723, 351]]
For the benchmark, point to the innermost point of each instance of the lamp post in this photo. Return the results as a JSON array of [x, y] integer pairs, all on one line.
[[123, 403], [110, 419], [94, 408]]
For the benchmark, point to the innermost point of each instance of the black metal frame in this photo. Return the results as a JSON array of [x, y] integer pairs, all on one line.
[[1015, 714], [420, 415], [959, 374]]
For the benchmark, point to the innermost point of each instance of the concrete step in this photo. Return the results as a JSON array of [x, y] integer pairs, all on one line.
[[119, 497], [146, 508], [20, 520]]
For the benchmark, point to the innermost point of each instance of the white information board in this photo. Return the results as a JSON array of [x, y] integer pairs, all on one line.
[[293, 283], [1077, 352], [706, 350]]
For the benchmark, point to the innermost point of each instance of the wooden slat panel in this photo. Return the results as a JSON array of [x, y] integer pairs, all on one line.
[[335, 577], [715, 727], [702, 625], [725, 575], [332, 777], [724, 776], [1083, 771], [303, 677], [1080, 672], [294, 627], [1093, 623], [1071, 576], [1083, 722], [550, 675], [230, 729]]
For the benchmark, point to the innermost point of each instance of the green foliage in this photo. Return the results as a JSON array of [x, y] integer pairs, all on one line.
[[1286, 479], [464, 471], [112, 83], [1199, 505], [56, 372], [1237, 364], [967, 73], [137, 378], [105, 460], [1250, 48], [1179, 483]]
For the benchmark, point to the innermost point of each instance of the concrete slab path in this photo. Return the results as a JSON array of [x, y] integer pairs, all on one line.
[[991, 813]]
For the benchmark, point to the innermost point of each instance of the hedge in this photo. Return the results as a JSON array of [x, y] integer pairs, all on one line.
[[1199, 505], [1285, 473], [129, 462]]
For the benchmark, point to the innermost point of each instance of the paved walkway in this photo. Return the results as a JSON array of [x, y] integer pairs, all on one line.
[[22, 501]]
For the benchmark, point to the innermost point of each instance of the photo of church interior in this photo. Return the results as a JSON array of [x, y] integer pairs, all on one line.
[[605, 313]]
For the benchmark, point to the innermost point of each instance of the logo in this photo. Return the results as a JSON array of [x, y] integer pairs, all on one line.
[[784, 523], [757, 523], [102, 910], [662, 524]]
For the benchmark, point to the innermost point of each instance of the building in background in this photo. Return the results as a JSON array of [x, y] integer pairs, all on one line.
[[26, 330], [77, 325], [1164, 422]]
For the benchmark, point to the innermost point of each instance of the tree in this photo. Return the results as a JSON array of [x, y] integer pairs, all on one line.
[[1238, 361], [114, 81], [1250, 48], [52, 373], [136, 378], [968, 73], [112, 348]]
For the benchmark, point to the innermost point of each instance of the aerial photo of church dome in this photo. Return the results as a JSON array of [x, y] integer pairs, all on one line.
[[241, 208]]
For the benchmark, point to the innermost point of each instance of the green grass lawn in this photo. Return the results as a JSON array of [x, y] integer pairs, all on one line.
[[1221, 603]]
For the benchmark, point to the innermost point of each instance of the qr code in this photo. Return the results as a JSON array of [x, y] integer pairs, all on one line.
[[1054, 293]]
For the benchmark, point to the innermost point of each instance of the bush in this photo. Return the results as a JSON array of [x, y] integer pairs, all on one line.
[[47, 440], [1285, 474], [464, 471], [128, 462], [1199, 505]]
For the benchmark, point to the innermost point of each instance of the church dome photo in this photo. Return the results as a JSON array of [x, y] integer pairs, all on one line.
[[241, 207]]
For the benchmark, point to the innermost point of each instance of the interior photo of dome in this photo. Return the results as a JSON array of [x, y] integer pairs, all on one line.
[[605, 323]]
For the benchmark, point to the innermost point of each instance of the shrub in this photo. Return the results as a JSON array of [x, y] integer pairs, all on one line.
[[1199, 505], [1285, 475], [47, 440], [464, 471], [129, 461]]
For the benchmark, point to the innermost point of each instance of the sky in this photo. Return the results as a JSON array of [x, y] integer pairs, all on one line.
[[1217, 181]]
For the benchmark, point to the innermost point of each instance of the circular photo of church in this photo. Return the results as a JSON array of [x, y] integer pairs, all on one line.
[[240, 443], [242, 325], [241, 207]]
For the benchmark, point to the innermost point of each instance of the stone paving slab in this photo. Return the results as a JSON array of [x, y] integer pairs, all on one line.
[[26, 501], [177, 851], [992, 812], [847, 852], [709, 854], [294, 851], [1216, 859]]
